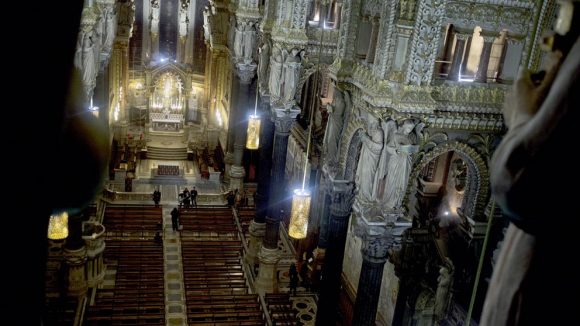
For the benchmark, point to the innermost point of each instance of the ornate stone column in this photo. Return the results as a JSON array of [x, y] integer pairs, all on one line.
[[119, 64], [342, 195], [345, 51], [258, 225], [374, 250], [373, 41], [481, 74], [269, 254], [457, 57], [323, 204], [243, 80]]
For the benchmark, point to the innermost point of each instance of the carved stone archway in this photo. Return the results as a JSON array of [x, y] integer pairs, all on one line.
[[477, 189]]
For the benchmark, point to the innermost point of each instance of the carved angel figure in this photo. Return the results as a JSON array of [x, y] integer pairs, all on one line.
[[372, 144], [336, 112], [401, 147]]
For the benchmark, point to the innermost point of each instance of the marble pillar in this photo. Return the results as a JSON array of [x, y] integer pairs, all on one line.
[[481, 74], [269, 254], [243, 81], [374, 251], [373, 42], [342, 195], [454, 71], [258, 225]]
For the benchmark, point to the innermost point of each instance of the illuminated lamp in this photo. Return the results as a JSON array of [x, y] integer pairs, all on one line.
[[58, 226]]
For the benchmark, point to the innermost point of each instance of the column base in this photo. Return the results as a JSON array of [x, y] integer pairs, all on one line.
[[267, 280], [237, 174], [228, 161], [257, 232]]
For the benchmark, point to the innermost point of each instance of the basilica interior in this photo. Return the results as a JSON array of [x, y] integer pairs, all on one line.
[[340, 150]]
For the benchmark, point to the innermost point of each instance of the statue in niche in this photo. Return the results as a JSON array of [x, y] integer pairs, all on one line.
[[263, 62], [88, 62], [400, 148], [335, 123], [154, 17], [183, 20], [239, 40], [127, 12], [291, 74], [110, 28], [442, 295], [249, 42], [372, 144], [389, 127], [232, 33], [275, 81]]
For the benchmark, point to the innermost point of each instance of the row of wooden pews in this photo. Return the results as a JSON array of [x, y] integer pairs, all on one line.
[[138, 296], [281, 310], [215, 284], [132, 221]]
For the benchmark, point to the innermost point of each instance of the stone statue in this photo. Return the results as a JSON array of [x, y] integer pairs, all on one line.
[[372, 144], [89, 63], [275, 81], [291, 74], [110, 29], [78, 58], [444, 283], [232, 32], [389, 127], [335, 123], [263, 62], [183, 20], [239, 41], [249, 42], [127, 12], [154, 17], [400, 147]]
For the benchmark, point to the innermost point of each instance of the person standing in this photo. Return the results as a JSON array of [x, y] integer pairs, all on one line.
[[194, 197], [175, 219], [293, 273], [157, 197]]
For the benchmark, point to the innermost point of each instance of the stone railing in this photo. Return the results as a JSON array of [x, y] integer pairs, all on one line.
[[202, 198]]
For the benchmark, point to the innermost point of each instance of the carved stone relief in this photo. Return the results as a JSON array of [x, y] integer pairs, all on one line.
[[425, 41]]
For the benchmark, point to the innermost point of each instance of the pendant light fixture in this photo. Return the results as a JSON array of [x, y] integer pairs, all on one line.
[[302, 198], [254, 124], [58, 226]]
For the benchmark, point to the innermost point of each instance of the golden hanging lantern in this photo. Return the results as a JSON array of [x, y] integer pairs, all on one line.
[[58, 226], [300, 211], [253, 139]]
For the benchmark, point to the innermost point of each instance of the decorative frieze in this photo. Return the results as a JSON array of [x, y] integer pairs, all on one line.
[[491, 17]]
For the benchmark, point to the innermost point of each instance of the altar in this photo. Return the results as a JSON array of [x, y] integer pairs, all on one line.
[[166, 125]]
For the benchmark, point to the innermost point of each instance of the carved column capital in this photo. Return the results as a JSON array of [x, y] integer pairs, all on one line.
[[380, 229], [284, 119], [342, 194], [246, 72]]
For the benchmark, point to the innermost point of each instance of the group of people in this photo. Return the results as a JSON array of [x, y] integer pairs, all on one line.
[[188, 198], [237, 198]]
